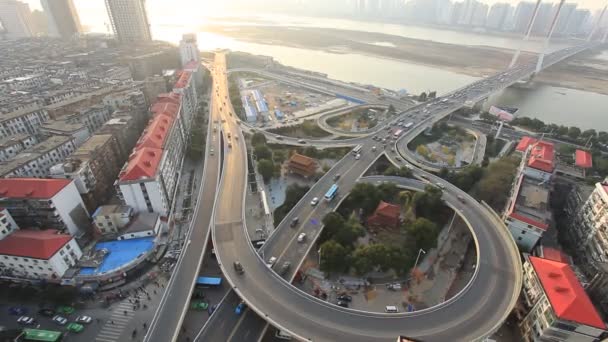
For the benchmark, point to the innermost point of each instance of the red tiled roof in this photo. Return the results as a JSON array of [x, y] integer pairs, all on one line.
[[583, 159], [171, 97], [565, 293], [37, 244], [529, 221], [387, 209], [183, 79], [36, 188], [167, 108], [523, 144], [156, 133], [555, 255], [542, 156], [301, 159], [143, 163]]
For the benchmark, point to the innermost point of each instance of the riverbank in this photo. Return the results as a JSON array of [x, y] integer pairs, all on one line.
[[581, 73]]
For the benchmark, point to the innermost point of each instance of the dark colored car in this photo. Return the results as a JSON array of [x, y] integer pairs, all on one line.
[[286, 266], [211, 309], [345, 298], [46, 312], [294, 222], [17, 310]]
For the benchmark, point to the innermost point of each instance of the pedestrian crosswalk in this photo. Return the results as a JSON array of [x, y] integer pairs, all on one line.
[[116, 323]]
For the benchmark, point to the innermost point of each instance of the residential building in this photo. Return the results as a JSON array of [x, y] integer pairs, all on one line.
[[386, 215], [148, 180], [126, 127], [186, 87], [302, 165], [188, 49], [7, 224], [198, 73], [554, 254], [77, 131], [62, 18], [545, 15], [38, 255], [589, 234], [49, 203], [540, 163], [92, 117], [523, 14], [564, 17], [153, 86], [528, 215], [37, 160], [129, 20], [10, 147], [16, 19], [142, 225], [579, 22], [23, 121], [498, 16], [110, 219], [557, 307], [129, 99], [93, 167]]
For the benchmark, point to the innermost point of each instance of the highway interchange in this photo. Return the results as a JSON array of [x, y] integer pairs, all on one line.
[[472, 315]]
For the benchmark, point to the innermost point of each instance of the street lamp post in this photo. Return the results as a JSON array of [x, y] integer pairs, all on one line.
[[418, 257]]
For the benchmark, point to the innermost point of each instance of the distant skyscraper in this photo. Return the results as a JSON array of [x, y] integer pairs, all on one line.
[[497, 18], [479, 15], [129, 20], [16, 19], [523, 14], [579, 22], [62, 18], [564, 17], [545, 15], [188, 49]]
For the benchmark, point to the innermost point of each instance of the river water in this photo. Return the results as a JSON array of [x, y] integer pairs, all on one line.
[[550, 104]]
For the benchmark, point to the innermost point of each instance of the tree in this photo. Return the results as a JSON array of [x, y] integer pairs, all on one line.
[[589, 133], [574, 132], [433, 94], [279, 156], [424, 232], [422, 97], [334, 257], [562, 131], [258, 139], [429, 202], [495, 184], [293, 194], [399, 172], [333, 223], [361, 261], [266, 169], [350, 232], [262, 152]]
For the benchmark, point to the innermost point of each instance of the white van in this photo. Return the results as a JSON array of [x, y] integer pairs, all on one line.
[[391, 309]]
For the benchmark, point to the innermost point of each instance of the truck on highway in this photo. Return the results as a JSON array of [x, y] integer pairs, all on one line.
[[357, 149], [408, 125]]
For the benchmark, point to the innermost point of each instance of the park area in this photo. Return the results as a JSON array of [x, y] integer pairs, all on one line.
[[445, 146]]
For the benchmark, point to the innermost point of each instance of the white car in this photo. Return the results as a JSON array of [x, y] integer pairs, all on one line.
[[358, 156], [314, 201], [25, 320], [271, 261], [60, 320], [301, 237], [84, 319]]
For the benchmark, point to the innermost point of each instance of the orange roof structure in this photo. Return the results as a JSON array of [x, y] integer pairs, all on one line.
[[37, 244], [143, 163], [583, 159], [565, 293], [155, 135], [542, 156], [34, 188], [523, 144]]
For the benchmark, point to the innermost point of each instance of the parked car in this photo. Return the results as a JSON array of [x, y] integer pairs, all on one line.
[[84, 319], [25, 320], [17, 310], [46, 312], [60, 320]]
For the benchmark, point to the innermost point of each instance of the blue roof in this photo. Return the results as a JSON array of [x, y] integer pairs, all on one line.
[[121, 252]]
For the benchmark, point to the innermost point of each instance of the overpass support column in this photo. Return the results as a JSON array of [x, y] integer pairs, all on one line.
[[541, 57], [528, 32]]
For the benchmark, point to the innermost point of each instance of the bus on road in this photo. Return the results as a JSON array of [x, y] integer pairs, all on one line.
[[208, 281], [357, 149], [397, 133], [408, 125], [331, 193], [41, 335]]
